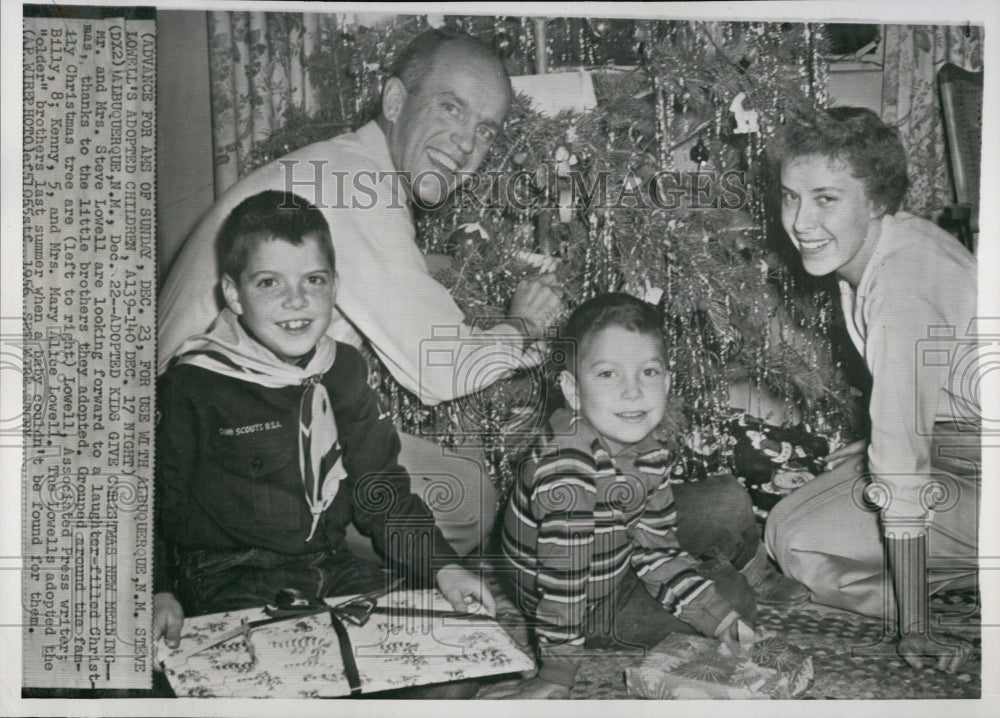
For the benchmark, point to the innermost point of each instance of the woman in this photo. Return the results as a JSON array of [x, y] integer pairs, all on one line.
[[908, 290]]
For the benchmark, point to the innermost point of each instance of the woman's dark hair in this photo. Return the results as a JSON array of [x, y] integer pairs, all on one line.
[[267, 216], [615, 309], [857, 136]]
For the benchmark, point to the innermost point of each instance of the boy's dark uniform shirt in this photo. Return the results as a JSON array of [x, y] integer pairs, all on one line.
[[229, 477]]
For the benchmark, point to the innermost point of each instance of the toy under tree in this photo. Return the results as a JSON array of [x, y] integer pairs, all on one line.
[[639, 195]]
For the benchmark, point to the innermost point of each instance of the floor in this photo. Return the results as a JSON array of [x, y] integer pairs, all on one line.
[[832, 637]]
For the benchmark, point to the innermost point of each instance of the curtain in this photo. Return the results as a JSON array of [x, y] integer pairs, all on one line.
[[913, 56], [258, 66]]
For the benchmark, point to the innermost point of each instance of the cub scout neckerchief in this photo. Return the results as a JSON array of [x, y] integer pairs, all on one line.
[[227, 349]]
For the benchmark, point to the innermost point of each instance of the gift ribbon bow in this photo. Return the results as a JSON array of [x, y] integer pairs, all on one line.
[[291, 604]]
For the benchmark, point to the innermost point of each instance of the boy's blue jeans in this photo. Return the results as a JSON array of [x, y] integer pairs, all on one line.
[[216, 581]]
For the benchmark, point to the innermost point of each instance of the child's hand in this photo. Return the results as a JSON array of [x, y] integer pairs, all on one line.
[[738, 636], [533, 689], [168, 619], [462, 587]]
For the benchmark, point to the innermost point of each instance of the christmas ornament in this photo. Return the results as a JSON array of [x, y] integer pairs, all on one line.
[[355, 68], [504, 43], [564, 161], [600, 28], [699, 153], [746, 120], [474, 229]]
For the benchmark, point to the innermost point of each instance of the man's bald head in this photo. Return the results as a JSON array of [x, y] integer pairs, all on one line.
[[416, 60], [442, 108]]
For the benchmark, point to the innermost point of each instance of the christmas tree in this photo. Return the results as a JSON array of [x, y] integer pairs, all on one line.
[[663, 191]]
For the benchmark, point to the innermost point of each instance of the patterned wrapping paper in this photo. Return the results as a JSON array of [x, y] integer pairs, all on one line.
[[772, 461], [300, 658], [692, 667]]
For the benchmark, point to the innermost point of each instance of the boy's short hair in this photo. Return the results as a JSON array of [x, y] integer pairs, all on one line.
[[267, 216], [856, 135], [615, 309]]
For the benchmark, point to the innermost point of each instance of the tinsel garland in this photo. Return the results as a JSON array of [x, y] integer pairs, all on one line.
[[698, 242]]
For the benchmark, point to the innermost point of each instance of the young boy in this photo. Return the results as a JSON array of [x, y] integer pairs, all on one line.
[[604, 551], [270, 441]]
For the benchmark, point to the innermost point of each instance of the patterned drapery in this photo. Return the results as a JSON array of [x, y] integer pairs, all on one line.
[[910, 100], [258, 64]]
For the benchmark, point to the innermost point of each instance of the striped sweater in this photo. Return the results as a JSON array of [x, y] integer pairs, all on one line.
[[578, 520]]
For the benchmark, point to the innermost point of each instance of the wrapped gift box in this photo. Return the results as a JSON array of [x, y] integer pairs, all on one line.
[[691, 667], [301, 658]]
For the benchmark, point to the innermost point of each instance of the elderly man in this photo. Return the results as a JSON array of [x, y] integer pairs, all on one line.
[[442, 108]]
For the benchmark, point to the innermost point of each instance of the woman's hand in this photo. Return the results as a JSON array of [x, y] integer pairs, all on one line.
[[951, 654], [856, 449]]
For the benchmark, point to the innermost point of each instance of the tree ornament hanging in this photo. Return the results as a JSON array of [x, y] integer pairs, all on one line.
[[475, 234], [504, 43], [355, 68], [746, 120], [700, 153], [564, 161], [599, 28]]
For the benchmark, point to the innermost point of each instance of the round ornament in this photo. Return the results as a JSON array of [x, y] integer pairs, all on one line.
[[700, 153], [504, 43], [600, 28]]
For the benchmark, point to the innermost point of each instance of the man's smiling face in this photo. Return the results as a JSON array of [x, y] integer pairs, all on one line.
[[447, 124]]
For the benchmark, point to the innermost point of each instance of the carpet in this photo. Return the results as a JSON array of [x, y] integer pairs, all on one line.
[[831, 636]]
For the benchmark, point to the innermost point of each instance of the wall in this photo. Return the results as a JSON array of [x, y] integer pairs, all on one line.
[[856, 83], [184, 189]]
